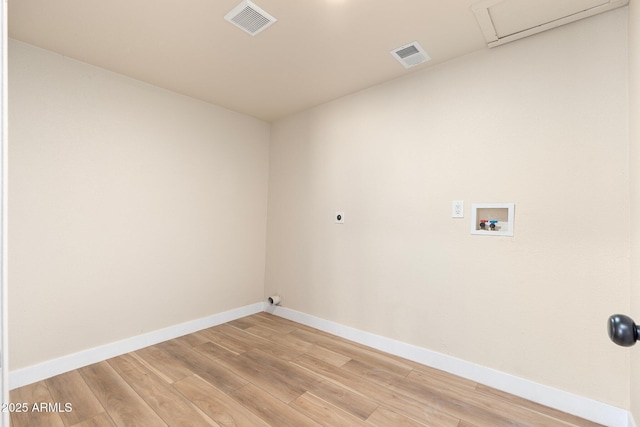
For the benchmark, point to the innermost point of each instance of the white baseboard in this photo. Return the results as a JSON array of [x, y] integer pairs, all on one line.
[[567, 402], [48, 369], [583, 407]]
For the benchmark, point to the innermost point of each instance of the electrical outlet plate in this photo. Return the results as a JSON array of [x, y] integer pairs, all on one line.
[[339, 217], [457, 209]]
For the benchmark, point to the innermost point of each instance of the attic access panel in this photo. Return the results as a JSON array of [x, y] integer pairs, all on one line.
[[503, 21]]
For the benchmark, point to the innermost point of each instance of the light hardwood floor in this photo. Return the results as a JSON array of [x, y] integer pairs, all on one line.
[[263, 370]]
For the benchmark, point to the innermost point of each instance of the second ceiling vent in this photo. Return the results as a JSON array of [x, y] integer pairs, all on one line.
[[250, 18], [410, 55]]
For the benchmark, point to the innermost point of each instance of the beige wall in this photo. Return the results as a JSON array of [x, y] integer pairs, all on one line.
[[541, 122], [131, 208], [634, 169]]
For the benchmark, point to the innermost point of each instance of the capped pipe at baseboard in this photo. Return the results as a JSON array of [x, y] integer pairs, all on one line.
[[274, 300]]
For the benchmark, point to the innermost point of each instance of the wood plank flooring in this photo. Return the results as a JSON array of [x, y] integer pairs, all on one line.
[[263, 370]]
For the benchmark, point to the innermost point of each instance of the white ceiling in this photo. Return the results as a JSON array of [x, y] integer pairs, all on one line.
[[318, 50]]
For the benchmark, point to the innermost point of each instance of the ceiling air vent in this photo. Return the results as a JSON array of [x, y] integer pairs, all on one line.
[[410, 55], [249, 17]]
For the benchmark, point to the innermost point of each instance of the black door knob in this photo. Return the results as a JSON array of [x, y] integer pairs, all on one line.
[[623, 330]]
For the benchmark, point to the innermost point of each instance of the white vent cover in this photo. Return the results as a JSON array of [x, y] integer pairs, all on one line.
[[503, 21], [250, 18], [410, 55]]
